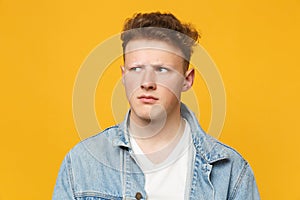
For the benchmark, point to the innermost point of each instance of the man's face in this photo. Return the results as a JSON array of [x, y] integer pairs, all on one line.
[[154, 78]]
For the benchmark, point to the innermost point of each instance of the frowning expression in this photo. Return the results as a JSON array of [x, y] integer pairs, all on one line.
[[154, 77]]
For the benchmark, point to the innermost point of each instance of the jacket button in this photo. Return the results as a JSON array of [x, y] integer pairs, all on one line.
[[138, 196]]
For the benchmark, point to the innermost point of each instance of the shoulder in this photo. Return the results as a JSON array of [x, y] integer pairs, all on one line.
[[233, 160], [230, 169], [91, 164], [238, 173], [213, 150], [96, 147], [225, 160]]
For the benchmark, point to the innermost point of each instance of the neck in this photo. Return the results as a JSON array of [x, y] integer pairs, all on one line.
[[158, 134]]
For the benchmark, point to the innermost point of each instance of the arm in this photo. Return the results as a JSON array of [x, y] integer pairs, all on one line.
[[64, 184], [245, 188]]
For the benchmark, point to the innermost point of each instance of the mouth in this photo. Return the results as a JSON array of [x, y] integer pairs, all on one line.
[[148, 99]]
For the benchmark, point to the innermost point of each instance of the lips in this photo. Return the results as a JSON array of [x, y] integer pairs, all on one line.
[[147, 99]]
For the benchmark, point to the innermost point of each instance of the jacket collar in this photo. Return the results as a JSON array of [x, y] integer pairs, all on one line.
[[205, 145]]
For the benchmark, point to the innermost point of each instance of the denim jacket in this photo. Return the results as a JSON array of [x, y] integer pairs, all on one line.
[[103, 167]]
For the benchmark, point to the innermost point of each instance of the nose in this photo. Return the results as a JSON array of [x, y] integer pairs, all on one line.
[[148, 80]]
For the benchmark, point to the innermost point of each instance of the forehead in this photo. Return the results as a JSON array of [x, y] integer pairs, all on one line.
[[152, 50]]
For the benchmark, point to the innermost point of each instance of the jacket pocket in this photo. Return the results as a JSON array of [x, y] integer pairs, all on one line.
[[95, 196]]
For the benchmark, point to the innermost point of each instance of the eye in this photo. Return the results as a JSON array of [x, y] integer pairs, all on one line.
[[162, 69], [135, 69]]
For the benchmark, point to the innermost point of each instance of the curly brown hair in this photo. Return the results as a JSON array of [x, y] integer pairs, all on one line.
[[161, 26]]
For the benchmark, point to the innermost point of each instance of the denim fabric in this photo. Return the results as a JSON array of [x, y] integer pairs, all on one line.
[[103, 167]]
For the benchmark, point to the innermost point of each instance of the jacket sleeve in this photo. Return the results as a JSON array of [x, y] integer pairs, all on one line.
[[245, 188], [64, 184]]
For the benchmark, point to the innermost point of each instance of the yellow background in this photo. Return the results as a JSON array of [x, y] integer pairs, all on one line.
[[255, 45]]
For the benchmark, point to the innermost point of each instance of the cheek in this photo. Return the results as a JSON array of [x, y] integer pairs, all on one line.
[[169, 97], [173, 84], [131, 84]]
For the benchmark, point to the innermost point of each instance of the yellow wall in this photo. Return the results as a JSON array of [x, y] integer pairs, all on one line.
[[43, 43]]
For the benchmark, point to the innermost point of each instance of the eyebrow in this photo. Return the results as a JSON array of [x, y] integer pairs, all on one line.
[[151, 65]]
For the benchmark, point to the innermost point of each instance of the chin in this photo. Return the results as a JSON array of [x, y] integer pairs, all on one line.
[[149, 113]]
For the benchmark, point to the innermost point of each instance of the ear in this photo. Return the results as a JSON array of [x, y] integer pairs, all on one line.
[[123, 73], [189, 80]]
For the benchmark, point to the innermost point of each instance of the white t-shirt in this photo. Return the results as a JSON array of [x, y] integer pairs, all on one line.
[[166, 180]]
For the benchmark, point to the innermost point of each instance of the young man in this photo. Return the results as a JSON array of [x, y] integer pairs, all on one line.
[[159, 151]]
